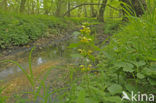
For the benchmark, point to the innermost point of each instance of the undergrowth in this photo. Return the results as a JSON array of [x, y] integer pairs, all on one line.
[[18, 30], [127, 64]]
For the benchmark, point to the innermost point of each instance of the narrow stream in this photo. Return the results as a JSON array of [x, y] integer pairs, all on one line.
[[39, 57]]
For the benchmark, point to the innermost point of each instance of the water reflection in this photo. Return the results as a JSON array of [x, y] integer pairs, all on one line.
[[39, 57], [39, 61]]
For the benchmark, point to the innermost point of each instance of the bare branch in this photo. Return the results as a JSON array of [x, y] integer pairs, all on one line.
[[90, 4]]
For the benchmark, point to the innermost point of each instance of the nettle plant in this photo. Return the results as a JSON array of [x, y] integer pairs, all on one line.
[[85, 48], [129, 58]]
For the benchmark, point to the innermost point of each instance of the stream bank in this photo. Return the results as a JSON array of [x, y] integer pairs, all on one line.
[[49, 54]]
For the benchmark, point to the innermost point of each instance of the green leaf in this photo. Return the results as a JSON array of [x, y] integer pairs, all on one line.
[[140, 76], [115, 89], [140, 63], [81, 97], [150, 72], [152, 81], [128, 69]]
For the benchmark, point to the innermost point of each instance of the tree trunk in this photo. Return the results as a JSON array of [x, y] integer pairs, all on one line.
[[58, 9], [85, 11], [3, 4], [45, 5], [69, 6], [79, 11], [22, 6], [38, 6], [33, 7], [92, 12], [102, 10]]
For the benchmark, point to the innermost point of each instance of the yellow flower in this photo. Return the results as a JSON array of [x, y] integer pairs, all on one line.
[[79, 50], [85, 40], [81, 66], [89, 65], [83, 26], [89, 39], [86, 23], [85, 30], [89, 51], [83, 69], [82, 51]]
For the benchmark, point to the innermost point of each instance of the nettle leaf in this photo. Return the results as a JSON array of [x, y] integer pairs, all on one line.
[[152, 81], [147, 71], [150, 72], [140, 76], [115, 89], [127, 67], [140, 63]]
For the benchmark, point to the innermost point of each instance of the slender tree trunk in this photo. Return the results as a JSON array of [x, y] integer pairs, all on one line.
[[28, 5], [38, 6], [92, 12], [85, 11], [33, 7], [58, 9], [3, 4], [69, 6], [79, 11], [22, 6], [45, 5], [102, 10]]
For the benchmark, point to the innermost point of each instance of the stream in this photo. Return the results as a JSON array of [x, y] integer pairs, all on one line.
[[55, 54]]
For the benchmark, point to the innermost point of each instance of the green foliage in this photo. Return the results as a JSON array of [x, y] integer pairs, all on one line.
[[127, 63], [111, 27], [130, 55], [17, 30]]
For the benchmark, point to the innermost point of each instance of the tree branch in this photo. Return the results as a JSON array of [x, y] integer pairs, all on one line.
[[90, 4]]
